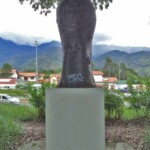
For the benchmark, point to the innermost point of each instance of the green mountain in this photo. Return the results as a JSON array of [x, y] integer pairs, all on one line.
[[23, 57], [139, 61], [50, 56]]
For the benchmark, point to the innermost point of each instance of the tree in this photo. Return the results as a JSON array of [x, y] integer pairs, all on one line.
[[76, 21], [37, 98], [122, 70], [6, 70], [108, 66]]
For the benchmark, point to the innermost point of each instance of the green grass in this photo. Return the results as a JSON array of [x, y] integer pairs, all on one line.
[[14, 92], [9, 131], [10, 118], [18, 112], [130, 114]]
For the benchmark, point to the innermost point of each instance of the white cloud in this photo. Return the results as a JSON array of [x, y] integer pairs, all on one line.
[[23, 21], [125, 21]]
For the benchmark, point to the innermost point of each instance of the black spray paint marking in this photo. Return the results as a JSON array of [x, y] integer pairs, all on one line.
[[74, 79]]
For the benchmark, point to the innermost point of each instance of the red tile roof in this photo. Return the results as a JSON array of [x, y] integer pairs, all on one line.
[[7, 80], [110, 79], [97, 72], [29, 74]]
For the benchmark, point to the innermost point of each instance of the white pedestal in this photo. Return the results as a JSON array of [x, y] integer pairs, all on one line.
[[75, 119]]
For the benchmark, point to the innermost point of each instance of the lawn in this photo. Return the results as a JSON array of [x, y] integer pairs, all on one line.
[[10, 118], [130, 114]]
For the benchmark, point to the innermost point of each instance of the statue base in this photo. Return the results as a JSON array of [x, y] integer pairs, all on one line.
[[75, 119]]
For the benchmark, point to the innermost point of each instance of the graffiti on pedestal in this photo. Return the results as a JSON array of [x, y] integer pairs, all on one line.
[[74, 79]]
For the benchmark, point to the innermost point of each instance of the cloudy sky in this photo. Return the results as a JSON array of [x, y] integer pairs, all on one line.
[[125, 23]]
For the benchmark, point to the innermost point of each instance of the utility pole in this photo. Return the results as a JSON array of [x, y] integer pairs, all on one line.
[[36, 44]]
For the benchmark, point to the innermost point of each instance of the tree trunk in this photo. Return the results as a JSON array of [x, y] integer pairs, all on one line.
[[76, 23]]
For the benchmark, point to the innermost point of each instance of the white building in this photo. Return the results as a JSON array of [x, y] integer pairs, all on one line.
[[8, 83], [29, 76], [55, 78], [14, 73]]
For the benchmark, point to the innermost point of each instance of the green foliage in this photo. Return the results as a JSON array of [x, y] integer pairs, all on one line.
[[139, 99], [120, 71], [132, 77], [131, 114], [18, 112], [113, 104], [14, 92], [46, 5], [37, 98], [6, 70], [59, 70], [135, 101], [46, 76], [101, 4], [145, 102], [108, 67], [10, 129]]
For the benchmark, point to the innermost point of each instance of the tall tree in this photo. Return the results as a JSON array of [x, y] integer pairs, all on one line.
[[6, 70], [122, 71], [108, 66], [76, 21]]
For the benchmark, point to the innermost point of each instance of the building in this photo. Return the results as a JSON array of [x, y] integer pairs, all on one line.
[[110, 81], [98, 77], [14, 73], [29, 76], [55, 78], [8, 83]]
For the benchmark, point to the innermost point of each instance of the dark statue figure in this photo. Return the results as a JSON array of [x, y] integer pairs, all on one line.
[[76, 23]]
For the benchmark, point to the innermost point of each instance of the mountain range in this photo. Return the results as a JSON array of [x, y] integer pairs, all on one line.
[[23, 57]]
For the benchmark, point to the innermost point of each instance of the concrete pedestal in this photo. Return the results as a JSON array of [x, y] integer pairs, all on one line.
[[75, 119]]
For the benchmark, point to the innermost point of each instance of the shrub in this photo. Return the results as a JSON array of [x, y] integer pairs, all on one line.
[[37, 99], [140, 101], [9, 131], [145, 102], [135, 101], [113, 104], [10, 128], [14, 92]]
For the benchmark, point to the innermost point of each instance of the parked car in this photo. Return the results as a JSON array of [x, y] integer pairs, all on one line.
[[5, 98]]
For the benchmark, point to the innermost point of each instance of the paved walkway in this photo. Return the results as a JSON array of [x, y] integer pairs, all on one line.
[[40, 145]]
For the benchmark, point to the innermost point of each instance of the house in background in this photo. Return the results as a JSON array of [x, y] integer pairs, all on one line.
[[110, 81], [14, 73], [8, 83], [123, 86], [29, 76], [98, 77], [55, 78]]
